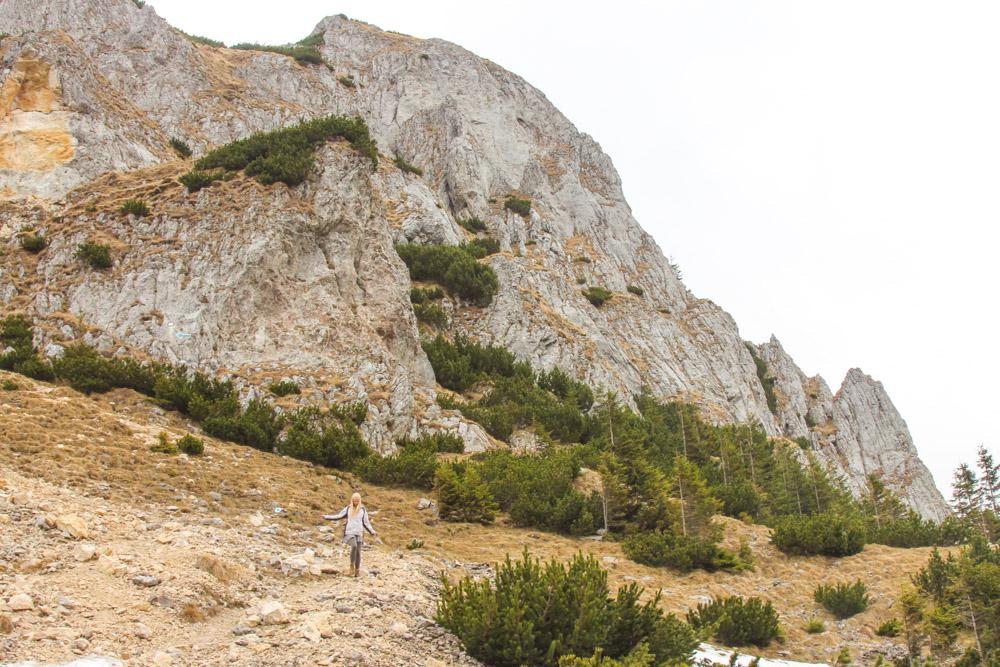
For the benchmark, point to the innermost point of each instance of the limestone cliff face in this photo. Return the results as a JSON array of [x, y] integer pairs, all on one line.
[[479, 133]]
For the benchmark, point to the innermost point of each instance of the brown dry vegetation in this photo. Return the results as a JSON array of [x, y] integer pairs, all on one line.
[[100, 445]]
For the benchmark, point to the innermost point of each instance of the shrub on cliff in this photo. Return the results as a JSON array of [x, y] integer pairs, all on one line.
[[136, 207], [97, 255], [454, 267], [286, 155], [597, 295], [195, 179], [304, 55], [33, 243], [522, 207], [180, 147]]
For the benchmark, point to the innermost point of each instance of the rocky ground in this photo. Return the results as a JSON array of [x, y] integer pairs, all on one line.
[[107, 548], [80, 575]]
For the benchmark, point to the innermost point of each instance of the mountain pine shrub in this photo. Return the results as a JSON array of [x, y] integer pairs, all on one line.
[[97, 255], [284, 388], [438, 441], [635, 289], [454, 267], [327, 438], [191, 445], [198, 39], [347, 81], [462, 495], [828, 534], [180, 147], [286, 155], [482, 247], [33, 243], [136, 207], [890, 628], [403, 165], [473, 225], [535, 614], [597, 295], [196, 179], [815, 626], [425, 294], [843, 600], [413, 466], [737, 621], [304, 55], [522, 207], [663, 548], [431, 314]]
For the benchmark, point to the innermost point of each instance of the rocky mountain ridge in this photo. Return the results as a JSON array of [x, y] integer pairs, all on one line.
[[266, 282]]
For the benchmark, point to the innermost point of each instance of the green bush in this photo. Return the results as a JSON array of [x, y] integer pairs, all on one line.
[[347, 81], [425, 294], [890, 628], [136, 207], [180, 147], [284, 388], [462, 495], [191, 445], [736, 621], [34, 243], [438, 441], [482, 247], [304, 55], [403, 165], [638, 657], [286, 155], [597, 295], [522, 207], [163, 444], [97, 255], [828, 534], [415, 544], [537, 489], [198, 39], [663, 548], [323, 437], [534, 614], [635, 289], [815, 626], [87, 371], [766, 379], [16, 333], [315, 39], [473, 225], [432, 314], [195, 179], [9, 385], [843, 600], [412, 466], [454, 267]]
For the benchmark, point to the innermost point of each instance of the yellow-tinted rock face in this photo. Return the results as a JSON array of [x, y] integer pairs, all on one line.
[[34, 134]]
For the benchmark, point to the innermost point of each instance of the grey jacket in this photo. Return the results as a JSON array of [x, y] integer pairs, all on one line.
[[353, 527]]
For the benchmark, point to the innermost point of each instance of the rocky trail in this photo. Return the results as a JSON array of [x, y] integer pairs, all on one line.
[[80, 575]]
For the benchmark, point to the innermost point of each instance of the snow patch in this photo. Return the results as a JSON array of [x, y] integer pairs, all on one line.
[[710, 655]]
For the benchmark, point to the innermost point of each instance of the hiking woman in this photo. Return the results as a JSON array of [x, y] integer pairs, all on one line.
[[354, 530]]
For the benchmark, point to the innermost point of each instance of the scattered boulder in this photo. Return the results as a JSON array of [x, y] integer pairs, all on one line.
[[21, 602], [73, 526], [6, 625], [141, 631], [146, 580], [424, 503], [84, 552], [272, 612]]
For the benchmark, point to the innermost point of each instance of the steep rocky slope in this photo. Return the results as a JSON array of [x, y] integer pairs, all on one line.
[[120, 81]]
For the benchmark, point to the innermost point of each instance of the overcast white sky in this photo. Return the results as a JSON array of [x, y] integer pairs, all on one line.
[[825, 171]]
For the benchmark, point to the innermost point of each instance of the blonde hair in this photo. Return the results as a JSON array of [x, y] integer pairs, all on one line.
[[352, 509]]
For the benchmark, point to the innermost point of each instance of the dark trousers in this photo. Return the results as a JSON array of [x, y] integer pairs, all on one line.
[[355, 542]]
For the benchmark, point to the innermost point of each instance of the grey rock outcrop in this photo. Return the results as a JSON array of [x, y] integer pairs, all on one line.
[[307, 280]]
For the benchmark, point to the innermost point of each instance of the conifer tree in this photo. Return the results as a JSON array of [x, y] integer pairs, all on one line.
[[989, 479], [966, 497], [694, 502]]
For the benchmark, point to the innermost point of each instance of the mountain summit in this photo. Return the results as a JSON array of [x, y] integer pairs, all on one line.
[[264, 282]]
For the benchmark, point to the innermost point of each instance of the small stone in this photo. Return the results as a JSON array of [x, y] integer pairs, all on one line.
[[273, 612], [146, 580], [162, 659], [6, 625], [21, 602], [73, 526], [424, 503], [343, 609], [215, 496], [398, 628], [84, 552], [241, 630], [256, 520], [610, 560], [68, 603], [80, 645], [141, 631]]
